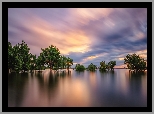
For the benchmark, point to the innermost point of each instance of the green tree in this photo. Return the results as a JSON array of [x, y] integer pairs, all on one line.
[[18, 57], [103, 66], [79, 67], [32, 62], [39, 63], [17, 61], [50, 56], [135, 62], [111, 64], [92, 67], [63, 61], [69, 63], [24, 56], [108, 67], [10, 56]]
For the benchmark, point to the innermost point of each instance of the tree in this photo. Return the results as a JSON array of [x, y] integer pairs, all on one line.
[[92, 67], [10, 56], [135, 62], [24, 56], [32, 62], [69, 63], [39, 63], [18, 57], [103, 66], [111, 64], [108, 66], [63, 61], [79, 67], [50, 56]]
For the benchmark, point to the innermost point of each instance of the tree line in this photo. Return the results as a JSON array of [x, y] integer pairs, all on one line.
[[21, 60], [134, 62], [92, 67]]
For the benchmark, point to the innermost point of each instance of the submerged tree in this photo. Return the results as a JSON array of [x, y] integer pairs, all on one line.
[[50, 56], [79, 67], [69, 63], [111, 64], [39, 63], [135, 62], [18, 57], [33, 61], [103, 66], [24, 56], [63, 61], [10, 56], [92, 67]]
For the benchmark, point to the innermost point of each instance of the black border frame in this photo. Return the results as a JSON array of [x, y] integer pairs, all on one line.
[[6, 5]]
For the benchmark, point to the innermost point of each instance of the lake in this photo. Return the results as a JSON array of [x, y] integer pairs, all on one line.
[[78, 89]]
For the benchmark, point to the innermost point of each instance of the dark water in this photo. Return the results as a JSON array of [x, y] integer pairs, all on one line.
[[111, 89]]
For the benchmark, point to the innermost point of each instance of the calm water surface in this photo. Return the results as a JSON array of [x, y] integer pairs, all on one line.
[[111, 89]]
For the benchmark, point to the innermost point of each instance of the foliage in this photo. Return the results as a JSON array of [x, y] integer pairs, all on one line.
[[16, 60], [39, 63], [69, 63], [135, 62], [24, 55], [50, 56], [108, 66], [79, 67], [62, 62], [111, 64], [10, 56], [32, 62], [103, 66], [18, 57], [92, 67]]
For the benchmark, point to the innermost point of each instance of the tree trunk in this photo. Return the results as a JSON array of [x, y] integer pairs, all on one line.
[[68, 69], [50, 66]]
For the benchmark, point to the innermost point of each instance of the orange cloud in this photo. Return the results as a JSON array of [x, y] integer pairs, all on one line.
[[121, 58], [44, 34]]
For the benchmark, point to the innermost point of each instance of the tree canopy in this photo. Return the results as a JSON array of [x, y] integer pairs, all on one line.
[[69, 63], [109, 66], [103, 66], [135, 62], [92, 67], [50, 56], [79, 67], [20, 59]]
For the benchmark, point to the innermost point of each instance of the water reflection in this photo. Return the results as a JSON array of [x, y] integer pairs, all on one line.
[[51, 89], [16, 88], [138, 86]]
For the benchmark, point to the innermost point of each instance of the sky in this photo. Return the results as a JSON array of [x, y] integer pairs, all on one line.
[[87, 35]]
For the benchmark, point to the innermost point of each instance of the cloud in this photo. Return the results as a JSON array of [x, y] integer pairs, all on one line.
[[83, 16], [88, 35], [42, 34]]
